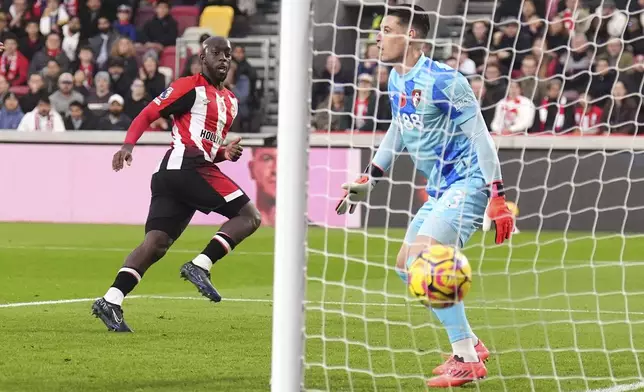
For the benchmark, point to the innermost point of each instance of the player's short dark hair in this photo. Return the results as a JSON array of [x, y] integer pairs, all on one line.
[[415, 17]]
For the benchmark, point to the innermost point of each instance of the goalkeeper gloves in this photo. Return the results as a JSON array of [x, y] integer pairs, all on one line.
[[355, 192], [499, 213]]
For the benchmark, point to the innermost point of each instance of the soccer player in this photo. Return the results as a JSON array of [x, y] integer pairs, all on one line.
[[436, 118], [187, 180]]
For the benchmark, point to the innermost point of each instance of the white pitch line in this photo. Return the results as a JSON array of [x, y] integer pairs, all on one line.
[[621, 388], [312, 252], [335, 303]]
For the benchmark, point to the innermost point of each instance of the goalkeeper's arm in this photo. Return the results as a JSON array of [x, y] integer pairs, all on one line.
[[358, 190], [488, 159]]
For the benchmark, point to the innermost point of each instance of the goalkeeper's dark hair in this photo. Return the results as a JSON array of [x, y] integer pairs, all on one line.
[[415, 17]]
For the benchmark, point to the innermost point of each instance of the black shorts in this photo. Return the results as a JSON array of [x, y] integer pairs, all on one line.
[[178, 194]]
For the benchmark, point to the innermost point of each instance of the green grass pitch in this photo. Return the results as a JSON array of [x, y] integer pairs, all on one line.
[[558, 312]]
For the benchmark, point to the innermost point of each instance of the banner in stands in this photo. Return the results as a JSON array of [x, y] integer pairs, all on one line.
[[559, 190], [75, 184]]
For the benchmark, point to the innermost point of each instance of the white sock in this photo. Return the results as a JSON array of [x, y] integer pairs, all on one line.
[[114, 296], [465, 349], [203, 261]]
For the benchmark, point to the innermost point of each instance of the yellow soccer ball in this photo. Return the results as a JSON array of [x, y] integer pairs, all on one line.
[[440, 276]]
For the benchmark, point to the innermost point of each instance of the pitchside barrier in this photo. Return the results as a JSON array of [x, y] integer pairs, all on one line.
[[593, 183]]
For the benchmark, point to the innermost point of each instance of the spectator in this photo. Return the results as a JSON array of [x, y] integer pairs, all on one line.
[[575, 17], [36, 86], [78, 120], [80, 83], [120, 82], [330, 113], [162, 30], [555, 115], [240, 86], [529, 81], [115, 119], [547, 60], [65, 95], [587, 116], [363, 106], [51, 51], [71, 38], [620, 113], [495, 85], [618, 57], [137, 100], [51, 73], [635, 35], [511, 44], [13, 65], [161, 124], [150, 75], [124, 50], [532, 23], [557, 36], [4, 29], [383, 109], [123, 25], [370, 62], [332, 74], [4, 88], [193, 56], [97, 100], [514, 114], [103, 42], [42, 118], [452, 62], [192, 68], [464, 64], [487, 106], [53, 18], [576, 65], [33, 42], [10, 114], [476, 42], [85, 64], [20, 14], [244, 67], [89, 19], [602, 81], [611, 20]]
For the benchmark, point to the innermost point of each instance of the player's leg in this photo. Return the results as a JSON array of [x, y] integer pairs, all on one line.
[[214, 191], [167, 219]]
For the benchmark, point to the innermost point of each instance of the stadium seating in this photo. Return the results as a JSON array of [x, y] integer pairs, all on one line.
[[191, 36], [143, 15], [217, 19], [185, 15], [167, 72]]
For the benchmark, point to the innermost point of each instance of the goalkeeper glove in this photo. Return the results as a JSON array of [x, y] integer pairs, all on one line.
[[499, 213], [355, 192]]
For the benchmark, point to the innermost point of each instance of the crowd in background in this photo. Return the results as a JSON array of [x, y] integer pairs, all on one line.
[[555, 66], [88, 65]]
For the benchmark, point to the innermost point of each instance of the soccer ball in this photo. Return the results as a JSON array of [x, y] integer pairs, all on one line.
[[440, 276]]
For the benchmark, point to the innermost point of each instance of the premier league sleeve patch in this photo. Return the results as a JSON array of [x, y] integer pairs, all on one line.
[[166, 93]]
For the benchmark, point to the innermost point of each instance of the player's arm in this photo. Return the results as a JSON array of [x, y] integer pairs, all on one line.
[[456, 99], [176, 99], [386, 153]]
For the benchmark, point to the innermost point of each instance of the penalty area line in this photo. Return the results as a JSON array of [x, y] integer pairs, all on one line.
[[316, 304]]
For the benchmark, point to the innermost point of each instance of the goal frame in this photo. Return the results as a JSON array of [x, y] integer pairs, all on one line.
[[291, 199]]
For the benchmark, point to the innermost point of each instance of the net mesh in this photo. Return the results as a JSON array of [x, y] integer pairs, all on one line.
[[561, 306]]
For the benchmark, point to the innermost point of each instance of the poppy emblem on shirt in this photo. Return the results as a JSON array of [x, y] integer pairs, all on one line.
[[415, 97], [403, 100], [166, 93]]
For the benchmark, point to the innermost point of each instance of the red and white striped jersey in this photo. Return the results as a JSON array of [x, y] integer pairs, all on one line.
[[202, 116]]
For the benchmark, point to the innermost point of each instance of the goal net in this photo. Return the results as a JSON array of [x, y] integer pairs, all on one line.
[[561, 305]]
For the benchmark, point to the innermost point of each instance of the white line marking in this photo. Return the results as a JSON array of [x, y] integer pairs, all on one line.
[[621, 388], [318, 303], [320, 253]]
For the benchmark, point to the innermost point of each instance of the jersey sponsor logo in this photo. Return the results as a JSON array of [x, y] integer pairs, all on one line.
[[416, 96], [214, 137]]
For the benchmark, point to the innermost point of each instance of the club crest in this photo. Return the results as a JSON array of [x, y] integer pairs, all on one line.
[[416, 96]]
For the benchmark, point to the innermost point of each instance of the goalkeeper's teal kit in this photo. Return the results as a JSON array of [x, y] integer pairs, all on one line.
[[437, 120]]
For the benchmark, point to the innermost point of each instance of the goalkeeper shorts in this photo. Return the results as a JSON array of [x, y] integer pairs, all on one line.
[[450, 219]]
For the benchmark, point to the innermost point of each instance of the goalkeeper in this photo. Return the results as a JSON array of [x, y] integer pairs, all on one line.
[[436, 118]]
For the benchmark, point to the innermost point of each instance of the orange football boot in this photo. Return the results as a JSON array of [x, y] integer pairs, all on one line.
[[481, 350], [458, 373]]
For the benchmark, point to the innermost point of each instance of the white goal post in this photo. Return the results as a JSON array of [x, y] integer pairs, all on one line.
[[560, 306]]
